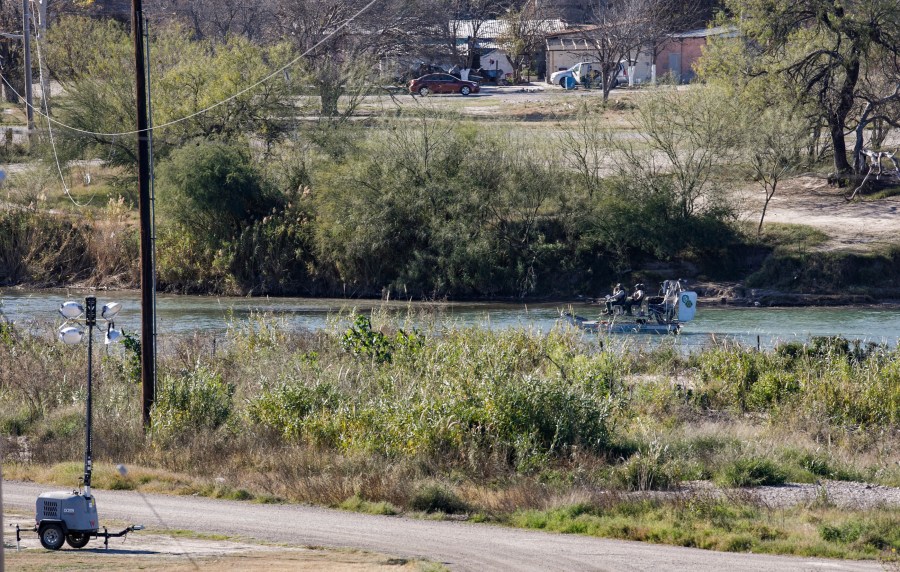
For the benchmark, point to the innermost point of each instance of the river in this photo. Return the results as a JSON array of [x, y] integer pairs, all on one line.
[[184, 314]]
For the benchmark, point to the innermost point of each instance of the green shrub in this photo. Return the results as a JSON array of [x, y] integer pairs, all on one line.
[[435, 497], [822, 465], [539, 416], [772, 388], [275, 254], [648, 472], [359, 504], [362, 341], [751, 472], [817, 464], [213, 189], [848, 532], [41, 248], [286, 407], [61, 424], [194, 401], [17, 422]]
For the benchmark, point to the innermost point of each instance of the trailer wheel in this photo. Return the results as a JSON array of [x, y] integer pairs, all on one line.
[[52, 537], [77, 539]]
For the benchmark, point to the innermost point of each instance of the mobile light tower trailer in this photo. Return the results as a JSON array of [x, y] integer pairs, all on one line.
[[71, 517]]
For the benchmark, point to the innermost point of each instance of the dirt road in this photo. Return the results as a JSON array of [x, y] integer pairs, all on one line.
[[461, 546]]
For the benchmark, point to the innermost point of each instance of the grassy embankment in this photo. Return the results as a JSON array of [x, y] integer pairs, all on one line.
[[515, 427]]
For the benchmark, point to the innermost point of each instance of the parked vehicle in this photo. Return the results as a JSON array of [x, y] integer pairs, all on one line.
[[493, 76], [583, 74], [442, 83]]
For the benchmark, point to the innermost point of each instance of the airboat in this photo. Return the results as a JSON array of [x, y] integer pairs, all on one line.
[[665, 313]]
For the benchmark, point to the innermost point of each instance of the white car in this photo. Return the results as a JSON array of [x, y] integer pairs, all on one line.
[[584, 73]]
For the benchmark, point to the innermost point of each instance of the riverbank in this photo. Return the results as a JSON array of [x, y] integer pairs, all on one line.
[[713, 294]]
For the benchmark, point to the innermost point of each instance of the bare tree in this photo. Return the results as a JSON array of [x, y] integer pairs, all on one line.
[[218, 19], [623, 29], [585, 146], [344, 39], [684, 138], [774, 146], [618, 31], [468, 18], [523, 36]]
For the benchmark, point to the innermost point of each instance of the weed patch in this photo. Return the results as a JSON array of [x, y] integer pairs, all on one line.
[[751, 472]]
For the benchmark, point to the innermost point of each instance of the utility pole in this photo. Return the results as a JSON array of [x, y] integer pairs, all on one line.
[[26, 32], [148, 346]]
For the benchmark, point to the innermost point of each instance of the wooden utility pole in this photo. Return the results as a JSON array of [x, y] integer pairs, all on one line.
[[26, 33], [148, 282]]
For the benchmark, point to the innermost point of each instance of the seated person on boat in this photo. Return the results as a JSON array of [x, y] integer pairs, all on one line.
[[636, 299], [616, 299]]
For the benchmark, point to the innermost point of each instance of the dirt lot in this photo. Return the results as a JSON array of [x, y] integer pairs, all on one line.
[[858, 225]]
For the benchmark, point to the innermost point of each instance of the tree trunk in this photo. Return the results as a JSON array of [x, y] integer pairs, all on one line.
[[841, 165], [838, 119], [859, 163]]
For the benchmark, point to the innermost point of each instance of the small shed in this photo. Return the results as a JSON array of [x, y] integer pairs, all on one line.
[[565, 49], [495, 58], [677, 56]]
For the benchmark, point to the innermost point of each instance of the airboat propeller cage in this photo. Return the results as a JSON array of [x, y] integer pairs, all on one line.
[[687, 306]]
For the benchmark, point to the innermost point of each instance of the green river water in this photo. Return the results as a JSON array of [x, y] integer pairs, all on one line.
[[186, 314]]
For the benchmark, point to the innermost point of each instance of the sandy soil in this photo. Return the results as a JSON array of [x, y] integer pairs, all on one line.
[[857, 225]]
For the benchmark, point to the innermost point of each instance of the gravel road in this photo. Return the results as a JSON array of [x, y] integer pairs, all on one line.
[[461, 546]]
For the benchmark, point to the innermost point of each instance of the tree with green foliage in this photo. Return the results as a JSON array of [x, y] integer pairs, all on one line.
[[824, 50], [93, 61], [213, 189], [225, 228], [418, 212]]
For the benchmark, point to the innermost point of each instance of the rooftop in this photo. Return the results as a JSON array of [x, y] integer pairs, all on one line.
[[492, 29]]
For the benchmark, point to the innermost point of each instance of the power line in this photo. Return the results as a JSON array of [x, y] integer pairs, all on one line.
[[209, 108], [46, 104]]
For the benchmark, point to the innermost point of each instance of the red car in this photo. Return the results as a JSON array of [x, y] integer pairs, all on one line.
[[442, 83]]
